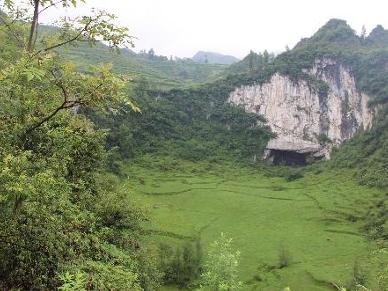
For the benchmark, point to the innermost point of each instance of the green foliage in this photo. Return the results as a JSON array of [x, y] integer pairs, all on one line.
[[382, 277], [48, 217], [63, 222], [323, 139], [288, 173], [359, 277], [377, 220], [366, 153], [182, 266], [252, 63], [193, 124], [221, 267], [111, 276], [73, 282], [293, 174], [336, 31]]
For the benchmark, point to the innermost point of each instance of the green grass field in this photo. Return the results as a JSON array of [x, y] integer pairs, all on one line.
[[314, 218]]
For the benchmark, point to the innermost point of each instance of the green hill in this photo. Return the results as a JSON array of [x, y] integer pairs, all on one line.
[[160, 71], [214, 58]]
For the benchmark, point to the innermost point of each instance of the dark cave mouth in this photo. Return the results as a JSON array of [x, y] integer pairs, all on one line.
[[288, 158]]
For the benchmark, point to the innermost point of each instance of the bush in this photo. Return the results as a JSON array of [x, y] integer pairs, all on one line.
[[377, 219], [181, 266], [108, 276], [221, 267], [293, 174], [288, 173], [73, 282], [359, 277], [284, 257]]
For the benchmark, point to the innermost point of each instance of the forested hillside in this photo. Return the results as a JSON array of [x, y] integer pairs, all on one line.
[[192, 124], [160, 71]]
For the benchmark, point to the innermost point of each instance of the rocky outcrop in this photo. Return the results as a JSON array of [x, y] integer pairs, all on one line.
[[304, 120]]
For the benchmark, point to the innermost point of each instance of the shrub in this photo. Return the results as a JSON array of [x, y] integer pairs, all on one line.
[[284, 257], [293, 174], [382, 278], [181, 266], [377, 219], [323, 139], [108, 276], [73, 282], [221, 267], [359, 277]]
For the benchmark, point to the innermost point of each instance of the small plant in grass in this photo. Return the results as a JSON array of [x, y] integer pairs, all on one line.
[[293, 174], [359, 278], [356, 288], [285, 258]]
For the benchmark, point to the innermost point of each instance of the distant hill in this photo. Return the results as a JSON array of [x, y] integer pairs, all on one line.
[[159, 71], [214, 58]]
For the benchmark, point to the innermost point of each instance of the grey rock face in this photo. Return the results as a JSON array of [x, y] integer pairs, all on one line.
[[300, 117]]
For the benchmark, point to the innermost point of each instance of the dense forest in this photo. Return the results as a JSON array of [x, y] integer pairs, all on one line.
[[76, 134]]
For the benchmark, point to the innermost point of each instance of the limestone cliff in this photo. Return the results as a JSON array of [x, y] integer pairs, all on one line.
[[304, 119]]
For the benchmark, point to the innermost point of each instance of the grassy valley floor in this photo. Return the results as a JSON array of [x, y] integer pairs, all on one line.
[[316, 219]]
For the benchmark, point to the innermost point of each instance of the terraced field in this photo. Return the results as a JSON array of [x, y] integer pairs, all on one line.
[[314, 218]]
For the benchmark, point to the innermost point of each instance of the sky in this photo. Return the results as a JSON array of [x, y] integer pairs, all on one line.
[[183, 27]]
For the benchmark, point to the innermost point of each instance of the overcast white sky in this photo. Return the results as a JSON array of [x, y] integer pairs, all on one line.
[[182, 27]]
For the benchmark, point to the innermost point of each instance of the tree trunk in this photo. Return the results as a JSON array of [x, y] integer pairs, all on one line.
[[34, 25]]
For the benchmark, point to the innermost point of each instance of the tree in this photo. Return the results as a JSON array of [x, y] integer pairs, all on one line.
[[151, 53], [221, 267], [266, 57], [206, 61], [59, 213], [251, 61], [363, 32], [36, 63]]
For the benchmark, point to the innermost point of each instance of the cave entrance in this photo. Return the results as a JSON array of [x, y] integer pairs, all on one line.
[[288, 158]]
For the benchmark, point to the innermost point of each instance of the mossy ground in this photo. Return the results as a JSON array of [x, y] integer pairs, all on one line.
[[317, 219]]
